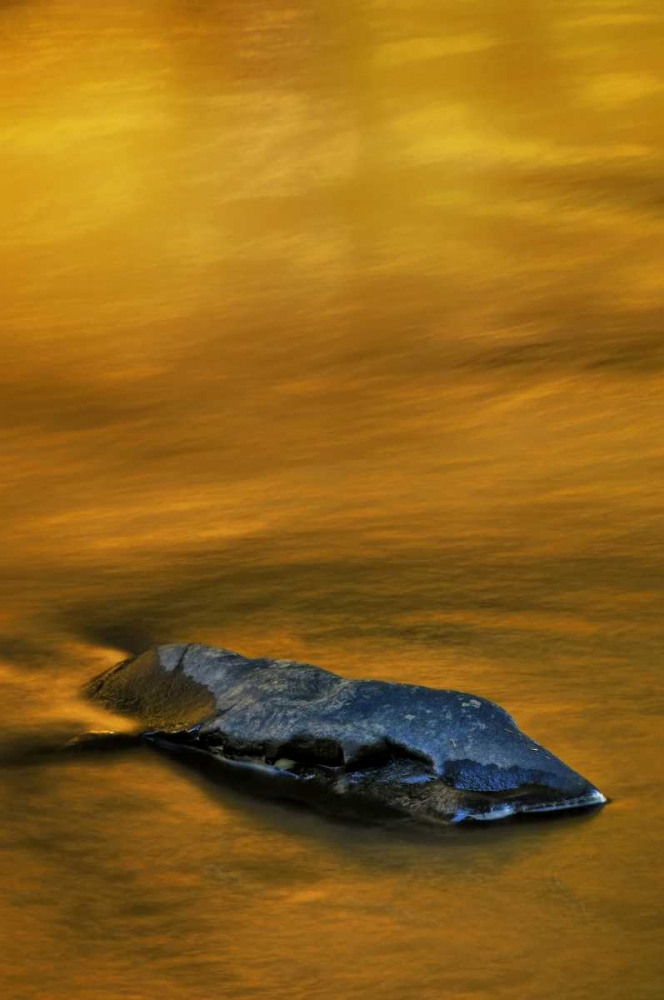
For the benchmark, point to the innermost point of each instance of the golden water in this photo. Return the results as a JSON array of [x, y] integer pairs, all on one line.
[[332, 331]]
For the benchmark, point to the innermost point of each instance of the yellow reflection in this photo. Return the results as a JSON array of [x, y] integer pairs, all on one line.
[[331, 331]]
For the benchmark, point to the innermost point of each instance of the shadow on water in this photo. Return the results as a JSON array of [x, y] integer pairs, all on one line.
[[323, 818], [55, 744], [351, 828]]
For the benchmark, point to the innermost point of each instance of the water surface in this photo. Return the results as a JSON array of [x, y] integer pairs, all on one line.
[[332, 331]]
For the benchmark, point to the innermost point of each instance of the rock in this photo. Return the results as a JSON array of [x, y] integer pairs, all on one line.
[[300, 732]]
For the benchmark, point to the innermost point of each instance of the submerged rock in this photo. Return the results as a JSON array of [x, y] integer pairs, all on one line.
[[296, 731]]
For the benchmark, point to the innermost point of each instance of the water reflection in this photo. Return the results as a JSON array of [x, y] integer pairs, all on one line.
[[331, 331]]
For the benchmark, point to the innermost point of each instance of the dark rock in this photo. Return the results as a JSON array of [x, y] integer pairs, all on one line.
[[301, 732]]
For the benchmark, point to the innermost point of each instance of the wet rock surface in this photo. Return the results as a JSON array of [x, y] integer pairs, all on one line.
[[297, 731]]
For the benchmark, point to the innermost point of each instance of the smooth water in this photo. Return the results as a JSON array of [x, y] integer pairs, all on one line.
[[332, 331]]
